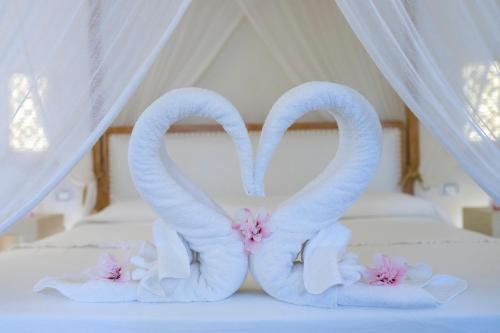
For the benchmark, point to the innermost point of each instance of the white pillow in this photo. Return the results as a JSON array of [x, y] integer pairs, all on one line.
[[369, 205], [389, 204]]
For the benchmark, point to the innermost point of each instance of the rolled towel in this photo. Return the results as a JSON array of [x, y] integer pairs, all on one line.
[[327, 277], [222, 264], [321, 203]]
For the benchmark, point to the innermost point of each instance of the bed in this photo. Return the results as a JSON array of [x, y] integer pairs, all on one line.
[[384, 220]]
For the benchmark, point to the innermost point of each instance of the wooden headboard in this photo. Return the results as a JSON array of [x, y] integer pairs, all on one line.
[[409, 153]]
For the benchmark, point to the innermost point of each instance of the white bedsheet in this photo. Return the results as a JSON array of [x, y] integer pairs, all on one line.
[[468, 255]]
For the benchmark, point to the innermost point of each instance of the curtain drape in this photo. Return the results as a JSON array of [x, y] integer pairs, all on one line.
[[67, 69], [311, 40], [299, 35], [443, 59]]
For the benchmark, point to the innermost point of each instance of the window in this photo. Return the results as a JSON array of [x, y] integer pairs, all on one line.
[[482, 88], [26, 130]]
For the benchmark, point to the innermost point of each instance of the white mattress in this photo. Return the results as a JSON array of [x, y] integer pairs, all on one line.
[[417, 237]]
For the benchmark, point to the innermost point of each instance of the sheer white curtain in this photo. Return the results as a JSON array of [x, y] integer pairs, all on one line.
[[67, 69], [299, 35], [312, 41], [193, 46], [443, 59]]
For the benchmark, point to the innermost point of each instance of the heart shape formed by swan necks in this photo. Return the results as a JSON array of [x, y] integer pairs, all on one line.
[[321, 203], [203, 224]]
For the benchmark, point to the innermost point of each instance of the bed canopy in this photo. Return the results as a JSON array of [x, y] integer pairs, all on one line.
[[67, 73]]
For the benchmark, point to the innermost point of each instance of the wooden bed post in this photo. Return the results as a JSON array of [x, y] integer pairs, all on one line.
[[411, 173], [100, 166]]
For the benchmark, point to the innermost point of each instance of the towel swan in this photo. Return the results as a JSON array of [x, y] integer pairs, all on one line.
[[203, 225], [191, 221], [312, 214], [328, 275]]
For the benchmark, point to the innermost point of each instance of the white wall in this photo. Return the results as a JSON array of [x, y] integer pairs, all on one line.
[[246, 73]]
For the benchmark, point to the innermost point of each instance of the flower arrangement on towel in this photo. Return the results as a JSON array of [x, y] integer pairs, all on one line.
[[112, 269], [387, 271], [253, 229], [394, 271]]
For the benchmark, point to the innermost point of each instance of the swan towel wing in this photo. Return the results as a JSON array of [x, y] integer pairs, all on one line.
[[173, 255], [172, 260], [321, 258]]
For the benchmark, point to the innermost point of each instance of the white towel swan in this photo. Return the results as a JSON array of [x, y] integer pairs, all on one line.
[[190, 220], [327, 277], [205, 227]]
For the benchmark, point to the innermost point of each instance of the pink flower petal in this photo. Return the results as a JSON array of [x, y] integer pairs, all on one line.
[[387, 271], [252, 229], [109, 268]]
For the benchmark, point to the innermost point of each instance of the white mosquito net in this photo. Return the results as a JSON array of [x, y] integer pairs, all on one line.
[[69, 67]]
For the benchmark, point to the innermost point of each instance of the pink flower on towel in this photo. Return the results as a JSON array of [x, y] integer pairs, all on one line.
[[252, 229], [387, 271], [109, 268]]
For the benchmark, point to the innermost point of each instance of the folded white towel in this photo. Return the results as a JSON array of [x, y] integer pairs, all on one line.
[[328, 276], [437, 290], [85, 287]]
